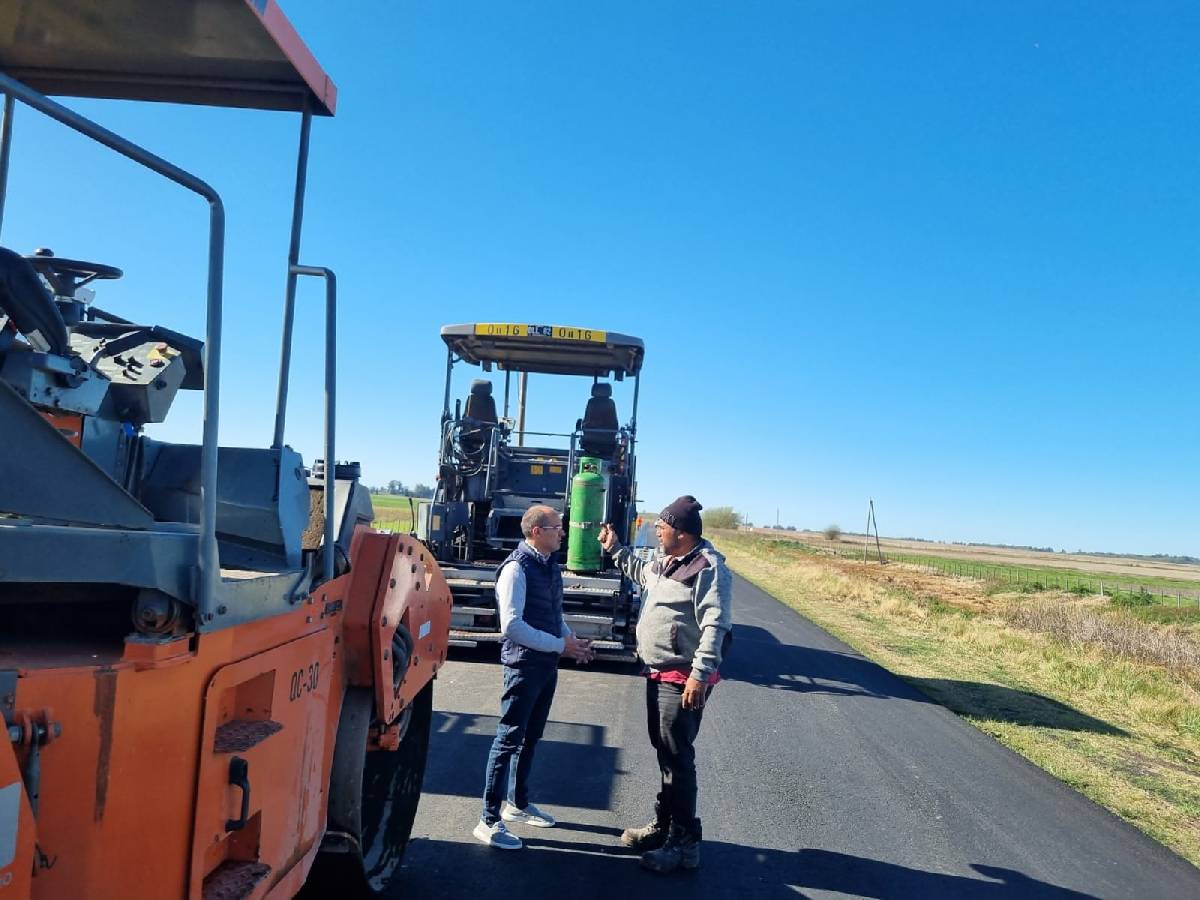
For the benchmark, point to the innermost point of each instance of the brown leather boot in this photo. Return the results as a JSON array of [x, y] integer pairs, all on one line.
[[650, 836]]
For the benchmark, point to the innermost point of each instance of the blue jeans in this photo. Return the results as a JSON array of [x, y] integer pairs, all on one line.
[[524, 708]]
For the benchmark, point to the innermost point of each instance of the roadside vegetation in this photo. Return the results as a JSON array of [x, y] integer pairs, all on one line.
[[1104, 695], [393, 512], [1148, 589]]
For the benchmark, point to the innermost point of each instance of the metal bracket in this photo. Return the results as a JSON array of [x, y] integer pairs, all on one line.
[[8, 695]]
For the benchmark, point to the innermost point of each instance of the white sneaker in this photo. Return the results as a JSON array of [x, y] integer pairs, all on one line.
[[496, 836], [530, 815]]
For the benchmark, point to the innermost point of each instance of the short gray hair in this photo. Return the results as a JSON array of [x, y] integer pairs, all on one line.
[[536, 517]]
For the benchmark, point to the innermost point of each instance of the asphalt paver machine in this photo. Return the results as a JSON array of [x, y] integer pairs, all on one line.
[[215, 678], [491, 469]]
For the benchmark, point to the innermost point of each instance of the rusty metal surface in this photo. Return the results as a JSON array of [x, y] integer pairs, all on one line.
[[241, 53], [242, 734], [233, 880]]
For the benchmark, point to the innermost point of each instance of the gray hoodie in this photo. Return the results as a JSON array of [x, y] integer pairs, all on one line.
[[682, 624]]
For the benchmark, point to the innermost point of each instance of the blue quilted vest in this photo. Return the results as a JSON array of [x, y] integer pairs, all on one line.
[[543, 604]]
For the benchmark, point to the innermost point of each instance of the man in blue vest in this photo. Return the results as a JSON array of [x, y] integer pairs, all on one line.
[[529, 593]]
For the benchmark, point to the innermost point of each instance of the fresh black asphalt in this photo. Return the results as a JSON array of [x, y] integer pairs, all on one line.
[[821, 775]]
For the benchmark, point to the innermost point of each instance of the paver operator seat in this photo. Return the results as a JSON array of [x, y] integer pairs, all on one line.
[[599, 423], [479, 415]]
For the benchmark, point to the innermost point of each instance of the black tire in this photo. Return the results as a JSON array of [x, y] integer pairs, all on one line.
[[372, 802]]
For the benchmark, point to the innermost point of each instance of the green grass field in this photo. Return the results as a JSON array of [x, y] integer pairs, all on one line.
[[393, 512]]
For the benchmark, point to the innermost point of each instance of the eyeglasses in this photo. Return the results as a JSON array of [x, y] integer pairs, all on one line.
[[550, 527]]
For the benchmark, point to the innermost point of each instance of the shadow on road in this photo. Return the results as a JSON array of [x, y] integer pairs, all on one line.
[[594, 869], [573, 766], [995, 703], [757, 657]]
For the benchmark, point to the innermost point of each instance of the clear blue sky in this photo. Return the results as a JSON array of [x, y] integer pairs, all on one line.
[[943, 255]]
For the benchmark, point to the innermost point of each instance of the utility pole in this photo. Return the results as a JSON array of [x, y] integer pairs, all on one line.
[[872, 521]]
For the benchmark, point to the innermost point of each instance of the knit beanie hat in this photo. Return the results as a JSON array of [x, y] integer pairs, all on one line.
[[684, 515]]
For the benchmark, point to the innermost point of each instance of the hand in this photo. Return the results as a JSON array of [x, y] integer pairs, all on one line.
[[607, 537], [578, 649], [693, 694]]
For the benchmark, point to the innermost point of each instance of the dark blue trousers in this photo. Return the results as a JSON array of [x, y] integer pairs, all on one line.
[[673, 731], [524, 708]]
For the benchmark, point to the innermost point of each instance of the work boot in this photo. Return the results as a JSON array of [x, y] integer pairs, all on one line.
[[650, 836], [681, 851]]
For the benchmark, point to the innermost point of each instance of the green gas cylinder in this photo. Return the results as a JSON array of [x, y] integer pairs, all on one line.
[[587, 514]]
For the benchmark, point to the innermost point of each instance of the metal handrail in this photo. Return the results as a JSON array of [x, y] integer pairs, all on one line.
[[330, 398], [289, 301], [208, 563]]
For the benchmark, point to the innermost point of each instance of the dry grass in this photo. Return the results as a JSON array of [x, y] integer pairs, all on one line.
[[1118, 634], [1106, 703]]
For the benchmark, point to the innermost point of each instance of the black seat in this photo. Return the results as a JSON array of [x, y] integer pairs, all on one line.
[[481, 406], [479, 417], [599, 423], [29, 305]]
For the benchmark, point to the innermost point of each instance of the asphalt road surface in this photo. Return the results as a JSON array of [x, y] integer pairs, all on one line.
[[821, 775]]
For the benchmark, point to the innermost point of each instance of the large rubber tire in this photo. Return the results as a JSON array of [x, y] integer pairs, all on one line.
[[372, 802]]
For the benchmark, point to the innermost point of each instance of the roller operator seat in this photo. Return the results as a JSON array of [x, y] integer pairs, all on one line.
[[29, 306], [599, 423], [479, 416]]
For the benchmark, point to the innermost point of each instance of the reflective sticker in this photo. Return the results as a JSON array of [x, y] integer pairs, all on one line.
[[424, 630], [536, 469], [556, 470], [557, 332], [10, 814]]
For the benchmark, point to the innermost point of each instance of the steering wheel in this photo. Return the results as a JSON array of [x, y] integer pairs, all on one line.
[[66, 275]]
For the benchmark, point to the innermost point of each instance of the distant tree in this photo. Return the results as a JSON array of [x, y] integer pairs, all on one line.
[[396, 487], [722, 517], [423, 491], [833, 533]]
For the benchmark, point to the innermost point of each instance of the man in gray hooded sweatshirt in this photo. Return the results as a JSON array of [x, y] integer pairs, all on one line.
[[682, 633]]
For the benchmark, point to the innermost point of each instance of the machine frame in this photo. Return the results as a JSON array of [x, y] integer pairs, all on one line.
[[487, 476], [261, 725]]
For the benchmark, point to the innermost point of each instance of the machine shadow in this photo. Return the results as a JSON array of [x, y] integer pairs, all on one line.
[[757, 657], [996, 703], [573, 768], [728, 870]]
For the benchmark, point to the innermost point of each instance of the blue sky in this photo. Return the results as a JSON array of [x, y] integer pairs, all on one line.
[[941, 255]]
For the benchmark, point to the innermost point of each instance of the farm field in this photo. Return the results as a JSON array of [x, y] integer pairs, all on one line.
[[1127, 568], [393, 512], [1102, 699], [1143, 582]]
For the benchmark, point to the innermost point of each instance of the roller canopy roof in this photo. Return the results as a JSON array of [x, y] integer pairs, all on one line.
[[552, 349], [241, 53]]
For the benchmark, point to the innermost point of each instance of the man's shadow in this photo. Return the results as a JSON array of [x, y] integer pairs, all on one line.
[[602, 868]]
